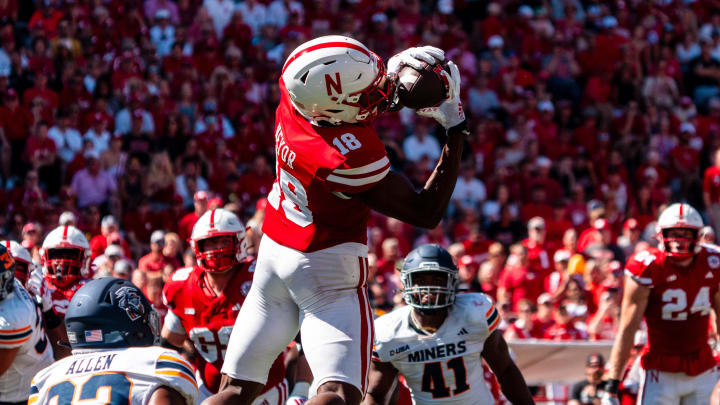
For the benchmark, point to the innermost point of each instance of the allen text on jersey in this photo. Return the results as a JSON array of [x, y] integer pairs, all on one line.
[[88, 364]]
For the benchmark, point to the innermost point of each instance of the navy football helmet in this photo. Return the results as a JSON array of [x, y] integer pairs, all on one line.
[[426, 259], [7, 273], [111, 312]]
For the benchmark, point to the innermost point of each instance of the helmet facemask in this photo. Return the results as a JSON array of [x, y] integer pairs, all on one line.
[[218, 253], [64, 265], [7, 283], [429, 289], [376, 98], [679, 242], [22, 271]]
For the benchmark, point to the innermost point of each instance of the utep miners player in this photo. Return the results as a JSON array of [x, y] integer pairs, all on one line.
[[437, 341], [24, 347], [112, 328], [331, 169]]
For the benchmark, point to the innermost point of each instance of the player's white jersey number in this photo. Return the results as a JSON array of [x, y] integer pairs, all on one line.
[[109, 388], [675, 304], [433, 380], [294, 201], [209, 344]]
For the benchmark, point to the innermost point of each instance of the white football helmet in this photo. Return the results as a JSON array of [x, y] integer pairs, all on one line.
[[338, 80], [65, 256], [23, 261], [218, 256], [679, 216]]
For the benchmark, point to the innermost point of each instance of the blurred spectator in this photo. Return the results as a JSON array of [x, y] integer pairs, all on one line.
[[92, 185], [162, 34], [220, 11], [518, 279], [563, 329], [98, 133], [68, 140], [469, 191], [630, 236], [390, 256], [603, 324], [99, 243], [155, 261], [67, 218], [538, 256], [200, 205], [122, 269], [711, 190], [522, 327], [420, 144], [190, 172], [254, 14], [588, 391]]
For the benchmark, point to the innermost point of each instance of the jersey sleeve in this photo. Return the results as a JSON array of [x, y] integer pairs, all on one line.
[[175, 372], [16, 323], [174, 323], [481, 312], [384, 331], [640, 267], [366, 161], [174, 286]]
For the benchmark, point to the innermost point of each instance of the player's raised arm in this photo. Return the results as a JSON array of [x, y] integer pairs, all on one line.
[[396, 197], [511, 380], [380, 383], [634, 302]]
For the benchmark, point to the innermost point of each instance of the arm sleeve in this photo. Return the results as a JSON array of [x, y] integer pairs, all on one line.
[[173, 323], [174, 372], [366, 162]]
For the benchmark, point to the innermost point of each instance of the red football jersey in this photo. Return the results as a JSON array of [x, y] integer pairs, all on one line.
[[678, 309], [208, 321], [61, 297], [318, 169]]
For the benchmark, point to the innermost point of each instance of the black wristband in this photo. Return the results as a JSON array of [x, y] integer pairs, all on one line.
[[166, 344], [459, 129], [612, 386]]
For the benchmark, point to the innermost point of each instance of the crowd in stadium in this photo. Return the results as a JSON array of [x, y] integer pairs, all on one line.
[[130, 119]]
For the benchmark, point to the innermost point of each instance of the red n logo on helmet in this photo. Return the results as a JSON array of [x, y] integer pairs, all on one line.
[[335, 84]]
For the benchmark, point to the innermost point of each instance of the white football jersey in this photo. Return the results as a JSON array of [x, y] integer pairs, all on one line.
[[21, 326], [113, 377], [444, 367]]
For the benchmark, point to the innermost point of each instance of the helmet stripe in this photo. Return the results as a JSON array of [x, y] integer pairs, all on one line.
[[212, 219], [323, 46], [681, 210]]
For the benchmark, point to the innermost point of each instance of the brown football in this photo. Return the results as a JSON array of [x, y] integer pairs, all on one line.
[[422, 88]]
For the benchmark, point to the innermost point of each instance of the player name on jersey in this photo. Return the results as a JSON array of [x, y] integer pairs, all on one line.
[[98, 363]]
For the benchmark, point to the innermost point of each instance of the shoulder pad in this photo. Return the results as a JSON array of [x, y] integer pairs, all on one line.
[[386, 328], [16, 321], [175, 285], [175, 372], [181, 274], [639, 267], [478, 309]]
